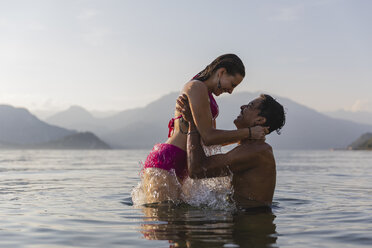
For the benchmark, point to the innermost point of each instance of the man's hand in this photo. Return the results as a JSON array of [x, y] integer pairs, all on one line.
[[184, 108]]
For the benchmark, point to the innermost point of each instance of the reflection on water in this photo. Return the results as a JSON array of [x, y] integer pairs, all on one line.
[[186, 226]]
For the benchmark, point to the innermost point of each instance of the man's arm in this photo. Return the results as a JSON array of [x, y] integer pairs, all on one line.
[[239, 159], [200, 166], [197, 161]]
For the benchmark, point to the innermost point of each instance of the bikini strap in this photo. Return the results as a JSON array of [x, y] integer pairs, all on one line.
[[171, 125], [213, 105]]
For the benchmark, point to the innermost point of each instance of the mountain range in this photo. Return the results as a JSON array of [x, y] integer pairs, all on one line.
[[143, 127], [305, 128], [19, 129], [360, 116]]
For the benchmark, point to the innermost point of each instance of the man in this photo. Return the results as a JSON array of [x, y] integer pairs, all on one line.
[[251, 163]]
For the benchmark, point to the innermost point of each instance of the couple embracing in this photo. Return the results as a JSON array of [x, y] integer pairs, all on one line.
[[251, 162]]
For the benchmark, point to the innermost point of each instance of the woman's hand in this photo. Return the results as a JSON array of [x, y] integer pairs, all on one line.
[[258, 132], [184, 108]]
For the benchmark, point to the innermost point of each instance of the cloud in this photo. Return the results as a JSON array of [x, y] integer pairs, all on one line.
[[361, 105]]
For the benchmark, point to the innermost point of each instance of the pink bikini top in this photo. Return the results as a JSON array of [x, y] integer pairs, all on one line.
[[212, 103], [214, 106], [214, 109]]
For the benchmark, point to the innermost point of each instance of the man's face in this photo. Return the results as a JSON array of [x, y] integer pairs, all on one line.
[[248, 116]]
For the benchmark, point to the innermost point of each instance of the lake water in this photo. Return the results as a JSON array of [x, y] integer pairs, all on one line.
[[83, 199]]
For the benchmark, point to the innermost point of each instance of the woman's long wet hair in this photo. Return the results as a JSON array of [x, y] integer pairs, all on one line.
[[230, 62]]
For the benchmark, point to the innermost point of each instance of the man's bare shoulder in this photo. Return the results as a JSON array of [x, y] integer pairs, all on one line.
[[252, 152], [255, 148]]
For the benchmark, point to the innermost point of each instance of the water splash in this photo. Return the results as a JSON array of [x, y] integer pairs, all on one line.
[[156, 183], [211, 150], [138, 195], [215, 193]]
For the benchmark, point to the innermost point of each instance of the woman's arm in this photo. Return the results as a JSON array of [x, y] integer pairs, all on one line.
[[197, 94]]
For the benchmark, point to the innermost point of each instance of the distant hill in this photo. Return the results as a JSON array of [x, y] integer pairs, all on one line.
[[84, 140], [364, 142], [77, 118], [19, 129], [360, 116], [305, 128], [19, 126], [139, 135], [133, 128], [143, 127], [77, 141]]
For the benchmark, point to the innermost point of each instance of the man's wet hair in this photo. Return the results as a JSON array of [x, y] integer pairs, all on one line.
[[273, 112]]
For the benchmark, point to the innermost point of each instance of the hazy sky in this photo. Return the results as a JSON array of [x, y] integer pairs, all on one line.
[[115, 55]]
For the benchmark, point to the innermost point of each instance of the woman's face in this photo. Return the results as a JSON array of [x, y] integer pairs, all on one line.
[[228, 83]]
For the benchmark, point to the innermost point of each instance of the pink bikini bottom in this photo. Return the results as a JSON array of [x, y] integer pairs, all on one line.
[[168, 157]]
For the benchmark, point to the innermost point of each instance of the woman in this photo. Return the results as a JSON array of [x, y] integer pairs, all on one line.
[[169, 159]]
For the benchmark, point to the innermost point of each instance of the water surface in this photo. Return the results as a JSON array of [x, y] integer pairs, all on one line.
[[83, 199]]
